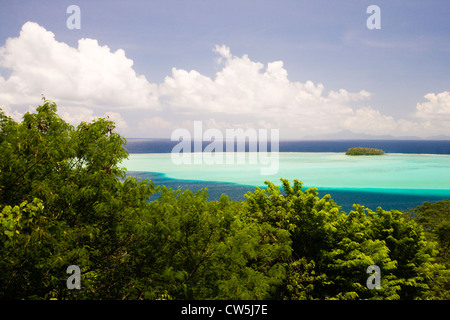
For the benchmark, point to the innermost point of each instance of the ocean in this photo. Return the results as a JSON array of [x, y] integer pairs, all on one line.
[[411, 172], [389, 146]]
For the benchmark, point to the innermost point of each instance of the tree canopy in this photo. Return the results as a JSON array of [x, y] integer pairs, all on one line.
[[360, 151], [65, 200]]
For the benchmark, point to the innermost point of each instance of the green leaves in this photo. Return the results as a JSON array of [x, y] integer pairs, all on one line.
[[332, 249], [197, 249], [60, 200], [65, 200]]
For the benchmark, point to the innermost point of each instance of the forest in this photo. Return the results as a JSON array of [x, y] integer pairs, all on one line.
[[65, 200]]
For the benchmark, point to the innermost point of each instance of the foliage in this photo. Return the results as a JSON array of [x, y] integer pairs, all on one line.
[[360, 151], [192, 248], [332, 249], [73, 175], [65, 200], [435, 219]]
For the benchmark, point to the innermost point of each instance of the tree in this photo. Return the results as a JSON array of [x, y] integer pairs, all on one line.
[[187, 247], [65, 200], [435, 220], [332, 249], [73, 175], [360, 151]]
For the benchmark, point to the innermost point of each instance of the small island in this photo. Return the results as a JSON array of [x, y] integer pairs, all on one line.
[[359, 151]]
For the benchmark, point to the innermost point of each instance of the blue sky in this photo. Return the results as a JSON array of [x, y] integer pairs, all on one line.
[[305, 67]]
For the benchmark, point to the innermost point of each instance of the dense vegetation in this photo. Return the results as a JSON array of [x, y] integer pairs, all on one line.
[[65, 200], [360, 151]]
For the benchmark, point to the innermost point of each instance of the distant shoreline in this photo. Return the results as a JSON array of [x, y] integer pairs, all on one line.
[[143, 145]]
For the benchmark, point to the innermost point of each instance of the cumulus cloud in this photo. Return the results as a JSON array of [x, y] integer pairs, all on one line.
[[157, 122], [370, 121], [433, 116], [119, 121], [263, 92], [14, 114], [91, 81], [158, 127], [438, 105], [247, 87], [88, 76], [155, 127], [76, 115]]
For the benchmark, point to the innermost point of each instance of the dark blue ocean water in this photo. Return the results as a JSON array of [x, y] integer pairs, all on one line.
[[389, 146], [345, 199]]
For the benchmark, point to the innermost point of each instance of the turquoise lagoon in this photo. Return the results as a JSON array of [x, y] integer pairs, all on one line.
[[407, 174]]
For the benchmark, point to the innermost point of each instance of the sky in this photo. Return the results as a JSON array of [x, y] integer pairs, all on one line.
[[303, 67]]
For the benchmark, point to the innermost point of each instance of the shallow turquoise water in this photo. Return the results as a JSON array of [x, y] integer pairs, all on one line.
[[393, 173]]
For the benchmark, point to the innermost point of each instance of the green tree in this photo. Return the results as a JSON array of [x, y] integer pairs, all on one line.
[[186, 247], [435, 220], [64, 200], [74, 175], [332, 249], [360, 151]]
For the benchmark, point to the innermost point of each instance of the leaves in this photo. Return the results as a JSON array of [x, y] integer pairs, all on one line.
[[64, 200]]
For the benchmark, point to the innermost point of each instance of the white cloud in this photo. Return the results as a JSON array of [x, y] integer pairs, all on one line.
[[433, 115], [88, 76], [119, 121], [155, 122], [261, 93], [438, 105], [14, 114], [430, 118], [247, 87], [76, 115], [90, 80], [370, 121], [155, 127], [159, 127]]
